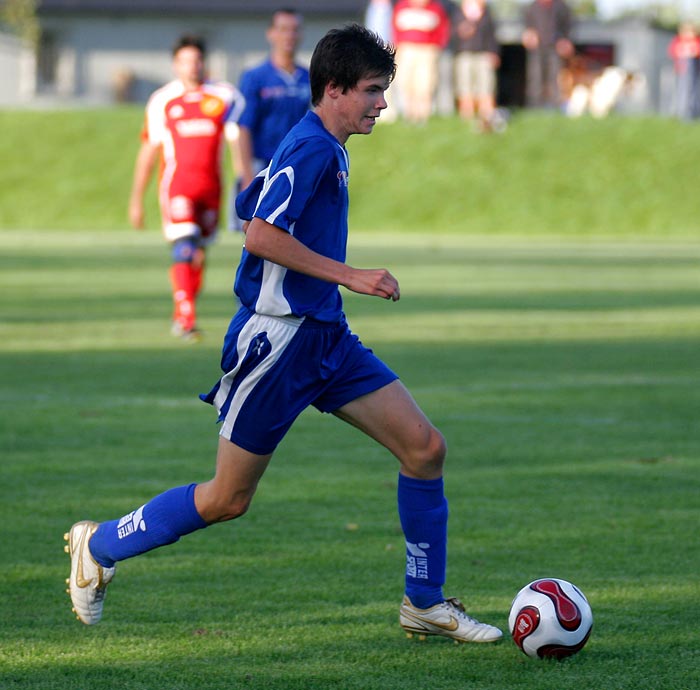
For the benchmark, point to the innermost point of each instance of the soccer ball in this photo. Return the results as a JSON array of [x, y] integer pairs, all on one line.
[[550, 618]]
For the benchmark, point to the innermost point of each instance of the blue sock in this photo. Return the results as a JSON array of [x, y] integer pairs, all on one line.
[[423, 513], [163, 520]]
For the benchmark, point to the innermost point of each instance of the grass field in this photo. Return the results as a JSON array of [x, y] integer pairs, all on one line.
[[565, 375]]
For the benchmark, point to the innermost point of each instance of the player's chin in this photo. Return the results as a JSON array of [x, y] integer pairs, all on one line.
[[368, 123]]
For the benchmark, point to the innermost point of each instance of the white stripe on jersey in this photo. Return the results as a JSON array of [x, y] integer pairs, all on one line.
[[289, 172], [280, 332], [271, 299]]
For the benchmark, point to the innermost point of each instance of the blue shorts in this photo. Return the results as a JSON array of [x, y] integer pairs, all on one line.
[[275, 367]]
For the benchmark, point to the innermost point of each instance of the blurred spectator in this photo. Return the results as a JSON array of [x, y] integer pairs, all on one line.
[[547, 40], [476, 61], [378, 18], [277, 95], [684, 49], [421, 32]]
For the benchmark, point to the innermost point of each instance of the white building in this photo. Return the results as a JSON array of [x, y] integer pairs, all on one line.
[[102, 51]]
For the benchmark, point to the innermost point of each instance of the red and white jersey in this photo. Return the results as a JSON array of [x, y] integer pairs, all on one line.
[[191, 126]]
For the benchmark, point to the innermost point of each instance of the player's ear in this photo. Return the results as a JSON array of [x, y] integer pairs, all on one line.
[[333, 90]]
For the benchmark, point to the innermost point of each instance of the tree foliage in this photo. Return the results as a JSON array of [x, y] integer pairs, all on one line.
[[21, 18]]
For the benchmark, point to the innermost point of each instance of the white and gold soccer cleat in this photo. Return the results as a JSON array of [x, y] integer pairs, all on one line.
[[88, 579], [447, 619]]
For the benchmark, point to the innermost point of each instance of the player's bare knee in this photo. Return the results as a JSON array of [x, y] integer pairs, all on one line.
[[222, 508], [426, 461], [436, 451], [235, 508]]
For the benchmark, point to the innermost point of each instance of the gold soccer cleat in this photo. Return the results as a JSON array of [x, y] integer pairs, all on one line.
[[446, 619], [88, 579]]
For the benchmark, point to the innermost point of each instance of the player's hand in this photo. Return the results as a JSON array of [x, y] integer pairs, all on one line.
[[377, 282], [136, 215]]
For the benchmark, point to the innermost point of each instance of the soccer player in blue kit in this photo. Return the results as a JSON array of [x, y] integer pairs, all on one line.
[[289, 346], [277, 95]]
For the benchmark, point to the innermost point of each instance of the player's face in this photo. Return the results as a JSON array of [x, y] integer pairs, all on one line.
[[360, 107], [284, 35], [188, 65]]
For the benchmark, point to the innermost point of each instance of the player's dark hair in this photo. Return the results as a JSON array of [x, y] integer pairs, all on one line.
[[344, 56], [190, 41]]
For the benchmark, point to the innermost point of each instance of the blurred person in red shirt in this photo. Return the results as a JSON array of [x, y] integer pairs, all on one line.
[[421, 33], [684, 50]]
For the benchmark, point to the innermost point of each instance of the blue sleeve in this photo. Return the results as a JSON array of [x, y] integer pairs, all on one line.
[[290, 183], [247, 200], [249, 88]]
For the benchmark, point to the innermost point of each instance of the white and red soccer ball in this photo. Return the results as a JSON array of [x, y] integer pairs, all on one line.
[[550, 618]]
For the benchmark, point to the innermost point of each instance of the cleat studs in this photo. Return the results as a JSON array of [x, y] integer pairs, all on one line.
[[66, 548], [67, 580], [66, 536], [409, 635], [422, 638]]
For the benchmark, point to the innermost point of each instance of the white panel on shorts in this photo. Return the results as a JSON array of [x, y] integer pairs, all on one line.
[[176, 231], [280, 332]]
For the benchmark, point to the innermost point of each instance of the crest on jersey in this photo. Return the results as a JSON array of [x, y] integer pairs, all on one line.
[[212, 106]]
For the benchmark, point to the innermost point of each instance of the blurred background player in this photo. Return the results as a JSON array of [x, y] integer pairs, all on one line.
[[186, 123], [277, 95]]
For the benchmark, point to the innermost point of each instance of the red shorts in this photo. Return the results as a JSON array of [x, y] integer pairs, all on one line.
[[190, 210]]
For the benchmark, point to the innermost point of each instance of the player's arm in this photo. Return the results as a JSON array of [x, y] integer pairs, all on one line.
[[246, 115], [232, 133], [145, 162], [273, 244], [245, 156]]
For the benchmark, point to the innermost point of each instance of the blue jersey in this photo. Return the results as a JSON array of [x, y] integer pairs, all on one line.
[[274, 102], [304, 191]]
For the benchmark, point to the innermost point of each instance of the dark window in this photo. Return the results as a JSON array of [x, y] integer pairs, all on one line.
[[47, 61]]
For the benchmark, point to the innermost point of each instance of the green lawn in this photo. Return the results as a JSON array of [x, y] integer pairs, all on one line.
[[565, 375]]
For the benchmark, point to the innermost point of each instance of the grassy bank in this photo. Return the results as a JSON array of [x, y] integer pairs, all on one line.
[[545, 175]]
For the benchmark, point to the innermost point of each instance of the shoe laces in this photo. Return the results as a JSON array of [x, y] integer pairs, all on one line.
[[456, 604]]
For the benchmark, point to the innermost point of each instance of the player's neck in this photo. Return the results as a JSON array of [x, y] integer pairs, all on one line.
[[191, 85], [283, 61], [332, 123]]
